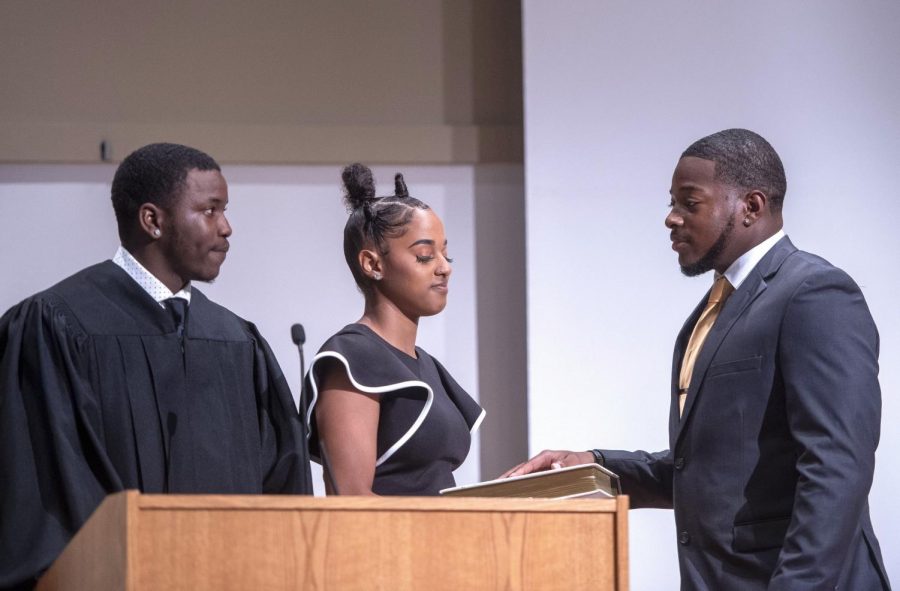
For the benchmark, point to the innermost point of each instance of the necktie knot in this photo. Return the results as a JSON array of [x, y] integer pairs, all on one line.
[[721, 289]]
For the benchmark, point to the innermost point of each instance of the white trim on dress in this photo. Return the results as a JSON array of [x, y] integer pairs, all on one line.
[[372, 390], [477, 422]]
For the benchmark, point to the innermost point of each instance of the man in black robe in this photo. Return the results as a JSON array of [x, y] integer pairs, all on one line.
[[125, 376]]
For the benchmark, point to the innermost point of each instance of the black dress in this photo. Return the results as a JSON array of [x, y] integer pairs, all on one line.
[[100, 393], [425, 420]]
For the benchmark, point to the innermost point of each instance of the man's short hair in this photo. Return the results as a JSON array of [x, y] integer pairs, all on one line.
[[744, 159], [157, 174]]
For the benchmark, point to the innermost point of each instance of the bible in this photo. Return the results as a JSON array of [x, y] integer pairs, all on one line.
[[584, 480]]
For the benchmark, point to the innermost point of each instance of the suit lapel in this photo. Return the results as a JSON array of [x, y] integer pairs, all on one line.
[[735, 307], [680, 346]]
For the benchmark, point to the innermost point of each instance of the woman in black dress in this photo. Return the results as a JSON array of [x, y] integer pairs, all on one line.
[[385, 417]]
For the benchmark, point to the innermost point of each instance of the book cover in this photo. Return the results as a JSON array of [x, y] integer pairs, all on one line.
[[584, 480]]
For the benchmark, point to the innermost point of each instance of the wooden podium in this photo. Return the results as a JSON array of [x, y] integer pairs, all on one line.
[[136, 542]]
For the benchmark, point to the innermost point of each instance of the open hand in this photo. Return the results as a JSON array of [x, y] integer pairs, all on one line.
[[550, 460]]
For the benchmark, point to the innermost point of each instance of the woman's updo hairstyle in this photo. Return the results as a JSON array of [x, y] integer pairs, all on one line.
[[373, 219]]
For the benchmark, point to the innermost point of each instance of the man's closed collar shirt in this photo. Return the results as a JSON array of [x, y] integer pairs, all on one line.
[[741, 268], [147, 280]]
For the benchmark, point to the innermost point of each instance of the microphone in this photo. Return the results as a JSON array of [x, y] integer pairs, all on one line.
[[298, 335]]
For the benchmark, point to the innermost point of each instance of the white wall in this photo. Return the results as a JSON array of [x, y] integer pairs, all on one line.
[[286, 263], [614, 91]]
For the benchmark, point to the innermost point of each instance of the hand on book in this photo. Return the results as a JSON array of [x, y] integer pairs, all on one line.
[[550, 460]]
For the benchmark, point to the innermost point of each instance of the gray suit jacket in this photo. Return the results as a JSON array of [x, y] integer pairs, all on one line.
[[770, 466]]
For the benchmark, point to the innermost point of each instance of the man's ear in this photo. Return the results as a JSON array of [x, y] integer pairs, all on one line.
[[370, 263], [755, 204], [150, 220]]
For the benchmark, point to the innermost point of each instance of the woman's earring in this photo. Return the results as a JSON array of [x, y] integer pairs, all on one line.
[[376, 276], [746, 222], [156, 232]]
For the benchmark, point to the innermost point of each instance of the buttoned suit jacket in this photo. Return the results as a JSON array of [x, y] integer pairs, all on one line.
[[769, 466]]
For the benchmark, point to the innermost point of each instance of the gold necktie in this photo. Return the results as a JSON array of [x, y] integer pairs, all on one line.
[[720, 291]]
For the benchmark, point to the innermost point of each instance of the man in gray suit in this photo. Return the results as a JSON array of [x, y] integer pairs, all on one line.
[[775, 406]]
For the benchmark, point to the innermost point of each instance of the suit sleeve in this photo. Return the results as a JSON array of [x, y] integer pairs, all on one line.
[[645, 477], [51, 469], [282, 432], [828, 356]]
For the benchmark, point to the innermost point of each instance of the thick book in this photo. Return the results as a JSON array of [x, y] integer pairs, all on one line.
[[584, 480]]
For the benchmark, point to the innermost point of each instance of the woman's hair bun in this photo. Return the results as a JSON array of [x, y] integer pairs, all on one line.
[[400, 189], [359, 185]]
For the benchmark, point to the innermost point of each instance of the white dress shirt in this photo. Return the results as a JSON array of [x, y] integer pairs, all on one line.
[[740, 269], [147, 280]]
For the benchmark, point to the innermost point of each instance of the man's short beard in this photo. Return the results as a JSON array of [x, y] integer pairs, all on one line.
[[708, 261]]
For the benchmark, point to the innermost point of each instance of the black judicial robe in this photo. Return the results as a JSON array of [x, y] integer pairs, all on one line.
[[99, 393]]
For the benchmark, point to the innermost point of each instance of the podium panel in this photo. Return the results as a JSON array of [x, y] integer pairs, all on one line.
[[137, 542]]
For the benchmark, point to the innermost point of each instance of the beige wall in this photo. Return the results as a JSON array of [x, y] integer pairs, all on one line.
[[405, 81]]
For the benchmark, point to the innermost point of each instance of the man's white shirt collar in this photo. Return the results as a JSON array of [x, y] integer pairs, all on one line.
[[147, 280], [741, 268]]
